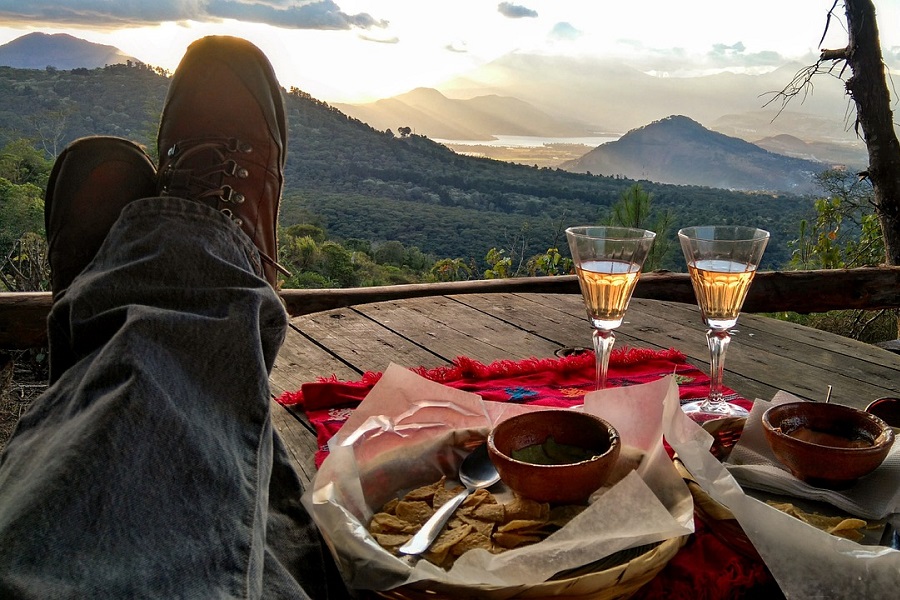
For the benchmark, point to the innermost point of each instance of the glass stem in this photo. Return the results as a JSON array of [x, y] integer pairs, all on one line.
[[718, 340], [603, 343]]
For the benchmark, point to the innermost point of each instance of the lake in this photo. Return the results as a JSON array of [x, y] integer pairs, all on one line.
[[527, 141]]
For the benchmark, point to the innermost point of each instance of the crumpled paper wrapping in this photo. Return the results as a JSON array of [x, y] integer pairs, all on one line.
[[752, 462], [409, 431], [806, 562]]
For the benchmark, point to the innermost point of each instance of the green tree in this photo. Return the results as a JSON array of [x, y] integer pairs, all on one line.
[[21, 211], [21, 162], [451, 269], [337, 265], [499, 264], [865, 76], [305, 229], [299, 253], [550, 263], [635, 209], [845, 232], [390, 253]]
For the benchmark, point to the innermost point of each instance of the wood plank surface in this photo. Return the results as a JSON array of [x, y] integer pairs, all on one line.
[[765, 355]]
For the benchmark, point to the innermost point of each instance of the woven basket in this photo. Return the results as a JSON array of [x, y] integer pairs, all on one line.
[[614, 583]]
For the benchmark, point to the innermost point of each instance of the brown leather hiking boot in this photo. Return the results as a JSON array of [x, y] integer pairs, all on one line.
[[92, 179], [222, 138]]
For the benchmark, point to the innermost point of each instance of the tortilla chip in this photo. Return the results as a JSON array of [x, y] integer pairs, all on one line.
[[390, 507], [414, 511], [523, 508], [443, 495], [385, 523], [474, 540], [495, 513], [514, 540], [846, 527], [480, 522], [392, 540], [426, 492], [521, 525], [450, 537]]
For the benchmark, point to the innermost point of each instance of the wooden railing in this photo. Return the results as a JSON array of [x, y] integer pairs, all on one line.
[[23, 315]]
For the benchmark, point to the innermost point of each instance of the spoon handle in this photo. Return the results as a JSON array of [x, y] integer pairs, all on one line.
[[432, 527]]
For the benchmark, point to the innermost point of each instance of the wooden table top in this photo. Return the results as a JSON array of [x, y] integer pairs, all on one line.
[[766, 355]]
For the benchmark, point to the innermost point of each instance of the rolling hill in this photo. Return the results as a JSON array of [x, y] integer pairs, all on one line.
[[680, 151]]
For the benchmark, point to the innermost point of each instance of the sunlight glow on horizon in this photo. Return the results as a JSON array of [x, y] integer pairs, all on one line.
[[427, 44]]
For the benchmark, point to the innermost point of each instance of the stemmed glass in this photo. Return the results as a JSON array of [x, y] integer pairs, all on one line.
[[608, 261], [722, 261]]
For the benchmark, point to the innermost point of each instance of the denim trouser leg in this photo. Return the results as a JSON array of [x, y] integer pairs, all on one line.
[[145, 469]]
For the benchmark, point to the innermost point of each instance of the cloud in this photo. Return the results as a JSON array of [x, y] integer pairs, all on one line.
[[515, 11], [723, 55], [565, 31], [323, 14], [289, 14], [724, 49]]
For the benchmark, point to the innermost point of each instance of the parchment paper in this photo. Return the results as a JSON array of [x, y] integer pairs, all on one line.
[[806, 562], [409, 431]]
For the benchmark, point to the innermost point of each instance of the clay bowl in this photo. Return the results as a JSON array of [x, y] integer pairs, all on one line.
[[888, 410], [597, 442], [827, 445]]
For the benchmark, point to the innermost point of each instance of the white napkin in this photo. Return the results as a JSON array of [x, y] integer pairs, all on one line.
[[753, 464]]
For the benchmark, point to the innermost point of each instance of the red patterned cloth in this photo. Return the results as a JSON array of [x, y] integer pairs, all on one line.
[[561, 382], [704, 568]]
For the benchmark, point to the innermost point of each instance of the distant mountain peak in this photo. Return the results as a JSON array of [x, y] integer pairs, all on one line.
[[681, 151], [59, 50]]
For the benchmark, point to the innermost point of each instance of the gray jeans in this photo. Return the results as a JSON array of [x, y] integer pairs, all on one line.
[[149, 468]]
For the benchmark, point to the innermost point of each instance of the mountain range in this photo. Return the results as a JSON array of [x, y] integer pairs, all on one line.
[[356, 182], [557, 97], [61, 51], [428, 112]]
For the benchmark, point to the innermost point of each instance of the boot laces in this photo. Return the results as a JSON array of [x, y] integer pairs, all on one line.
[[194, 175]]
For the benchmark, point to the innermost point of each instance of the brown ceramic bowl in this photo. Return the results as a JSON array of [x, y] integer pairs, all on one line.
[[888, 410], [839, 444], [571, 483]]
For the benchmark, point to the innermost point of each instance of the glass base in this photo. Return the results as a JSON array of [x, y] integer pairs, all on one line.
[[702, 411]]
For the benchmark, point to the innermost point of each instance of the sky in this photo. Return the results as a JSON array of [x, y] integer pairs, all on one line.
[[363, 50]]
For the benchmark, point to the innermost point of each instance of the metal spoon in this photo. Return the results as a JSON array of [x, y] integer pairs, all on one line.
[[476, 472]]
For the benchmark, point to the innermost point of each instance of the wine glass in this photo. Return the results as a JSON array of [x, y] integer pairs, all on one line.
[[608, 261], [722, 261]]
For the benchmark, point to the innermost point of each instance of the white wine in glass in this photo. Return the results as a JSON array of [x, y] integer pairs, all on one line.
[[608, 261], [722, 261]]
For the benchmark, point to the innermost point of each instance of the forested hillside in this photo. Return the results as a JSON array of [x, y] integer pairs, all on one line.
[[359, 183]]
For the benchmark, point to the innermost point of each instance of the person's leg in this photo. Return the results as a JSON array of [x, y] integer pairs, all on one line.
[[144, 470], [147, 469]]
